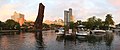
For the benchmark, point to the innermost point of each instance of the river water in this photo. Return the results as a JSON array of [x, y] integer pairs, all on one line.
[[51, 41]]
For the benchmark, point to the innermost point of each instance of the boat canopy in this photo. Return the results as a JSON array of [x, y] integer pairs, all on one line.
[[81, 26]]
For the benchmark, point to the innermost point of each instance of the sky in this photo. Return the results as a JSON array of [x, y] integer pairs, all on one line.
[[54, 9]]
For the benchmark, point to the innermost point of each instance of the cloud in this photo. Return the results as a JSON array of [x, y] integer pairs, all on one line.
[[6, 10], [7, 7], [54, 9], [116, 13], [114, 2]]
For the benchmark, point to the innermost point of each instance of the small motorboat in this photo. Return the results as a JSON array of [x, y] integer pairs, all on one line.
[[82, 30], [60, 31], [98, 32], [82, 33], [109, 31]]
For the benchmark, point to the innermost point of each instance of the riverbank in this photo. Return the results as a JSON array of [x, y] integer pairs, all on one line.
[[7, 31]]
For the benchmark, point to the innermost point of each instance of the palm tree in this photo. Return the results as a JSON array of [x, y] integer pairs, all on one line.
[[109, 21]]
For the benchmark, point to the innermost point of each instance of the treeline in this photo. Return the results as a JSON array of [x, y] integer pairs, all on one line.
[[12, 25], [97, 23], [9, 24], [51, 26], [91, 23]]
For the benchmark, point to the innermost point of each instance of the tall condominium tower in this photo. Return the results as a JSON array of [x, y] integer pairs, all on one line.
[[70, 15], [66, 17]]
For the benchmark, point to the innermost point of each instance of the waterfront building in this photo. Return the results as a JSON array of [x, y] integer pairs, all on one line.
[[18, 17]]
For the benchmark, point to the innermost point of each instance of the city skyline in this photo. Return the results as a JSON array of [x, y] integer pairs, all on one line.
[[55, 9]]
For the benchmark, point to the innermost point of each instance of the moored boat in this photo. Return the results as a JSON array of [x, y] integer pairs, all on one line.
[[98, 32], [82, 33]]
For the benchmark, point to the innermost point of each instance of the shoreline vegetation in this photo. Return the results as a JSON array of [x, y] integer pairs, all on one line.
[[91, 23]]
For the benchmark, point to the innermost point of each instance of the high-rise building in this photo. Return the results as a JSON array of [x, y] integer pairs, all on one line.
[[18, 17], [71, 18], [68, 17]]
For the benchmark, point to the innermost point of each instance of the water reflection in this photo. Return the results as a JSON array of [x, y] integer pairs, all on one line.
[[4, 43], [108, 39], [81, 39], [89, 42], [60, 38], [97, 43], [39, 41], [48, 40]]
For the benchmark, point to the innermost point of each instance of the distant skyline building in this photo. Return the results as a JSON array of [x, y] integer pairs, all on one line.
[[68, 17], [18, 17], [57, 22]]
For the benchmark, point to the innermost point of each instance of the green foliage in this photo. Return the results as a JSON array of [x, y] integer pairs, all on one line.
[[71, 25], [92, 23], [2, 25], [108, 20], [79, 22], [97, 23], [11, 24], [17, 26], [53, 26], [45, 25]]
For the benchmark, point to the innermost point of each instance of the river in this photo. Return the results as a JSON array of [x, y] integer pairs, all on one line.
[[50, 41]]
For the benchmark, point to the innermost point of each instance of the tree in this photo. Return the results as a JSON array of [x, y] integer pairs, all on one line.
[[45, 25], [93, 23], [11, 24], [109, 20], [71, 25], [79, 22], [98, 23], [2, 25]]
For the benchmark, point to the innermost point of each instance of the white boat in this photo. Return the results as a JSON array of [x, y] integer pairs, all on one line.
[[60, 32], [98, 32], [68, 34], [109, 31], [82, 33]]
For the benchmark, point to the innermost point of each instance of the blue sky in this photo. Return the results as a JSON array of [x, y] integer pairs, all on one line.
[[82, 9]]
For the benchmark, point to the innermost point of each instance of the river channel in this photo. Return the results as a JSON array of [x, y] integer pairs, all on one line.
[[51, 41]]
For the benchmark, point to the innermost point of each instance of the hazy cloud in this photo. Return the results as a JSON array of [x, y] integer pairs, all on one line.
[[82, 9]]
